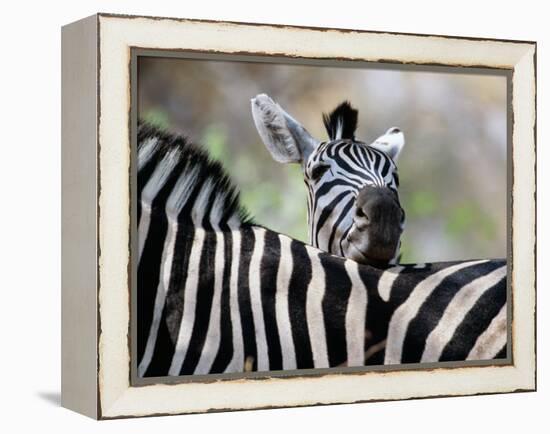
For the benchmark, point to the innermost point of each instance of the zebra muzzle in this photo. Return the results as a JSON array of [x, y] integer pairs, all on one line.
[[377, 226]]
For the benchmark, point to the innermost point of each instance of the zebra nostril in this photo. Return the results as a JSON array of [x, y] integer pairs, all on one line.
[[361, 214]]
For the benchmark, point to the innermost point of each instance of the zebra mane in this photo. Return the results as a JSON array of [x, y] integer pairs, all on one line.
[[178, 178], [342, 122]]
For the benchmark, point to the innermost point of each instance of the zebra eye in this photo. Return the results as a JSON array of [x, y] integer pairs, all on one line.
[[319, 171]]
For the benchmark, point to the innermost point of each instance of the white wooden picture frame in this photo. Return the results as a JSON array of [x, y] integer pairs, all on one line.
[[96, 247]]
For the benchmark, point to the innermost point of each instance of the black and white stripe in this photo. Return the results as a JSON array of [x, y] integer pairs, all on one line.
[[217, 293], [439, 312], [334, 174]]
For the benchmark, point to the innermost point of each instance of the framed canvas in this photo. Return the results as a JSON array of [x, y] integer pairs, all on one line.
[[200, 274]]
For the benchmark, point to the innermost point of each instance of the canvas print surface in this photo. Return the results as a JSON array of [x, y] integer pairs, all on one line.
[[298, 217]]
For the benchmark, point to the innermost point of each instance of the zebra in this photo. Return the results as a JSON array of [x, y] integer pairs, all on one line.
[[219, 293], [353, 202]]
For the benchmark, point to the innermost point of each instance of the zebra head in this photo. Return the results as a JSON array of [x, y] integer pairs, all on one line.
[[353, 204]]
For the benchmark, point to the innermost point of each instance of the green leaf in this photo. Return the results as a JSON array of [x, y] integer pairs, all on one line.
[[157, 118]]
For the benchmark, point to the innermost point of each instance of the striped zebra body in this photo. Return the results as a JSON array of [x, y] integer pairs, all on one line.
[[218, 293]]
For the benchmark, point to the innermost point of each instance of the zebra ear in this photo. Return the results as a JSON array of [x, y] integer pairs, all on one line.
[[391, 143], [284, 137]]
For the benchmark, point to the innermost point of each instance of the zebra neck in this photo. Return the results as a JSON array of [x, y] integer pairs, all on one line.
[[178, 181]]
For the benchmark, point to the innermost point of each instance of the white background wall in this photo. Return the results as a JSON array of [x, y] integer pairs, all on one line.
[[30, 217]]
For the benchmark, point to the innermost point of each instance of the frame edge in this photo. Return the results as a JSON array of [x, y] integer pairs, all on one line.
[[79, 108]]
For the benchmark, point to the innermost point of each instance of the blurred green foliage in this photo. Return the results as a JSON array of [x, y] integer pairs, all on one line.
[[216, 139], [421, 204], [470, 217], [157, 117]]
